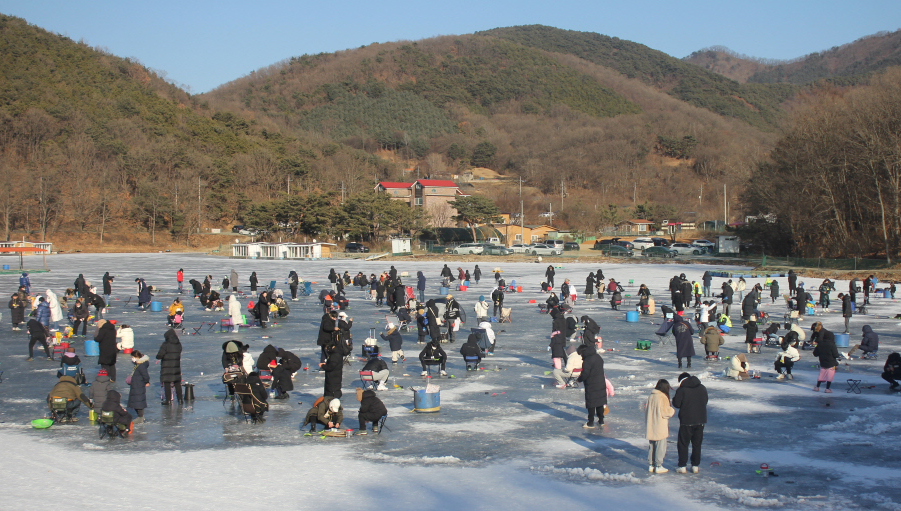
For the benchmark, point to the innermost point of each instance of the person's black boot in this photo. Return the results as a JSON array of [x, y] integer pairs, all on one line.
[[680, 363], [689, 362]]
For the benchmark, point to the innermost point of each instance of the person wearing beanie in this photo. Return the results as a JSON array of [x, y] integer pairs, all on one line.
[[481, 309], [328, 411], [434, 355], [395, 342], [372, 409], [691, 400], [452, 316], [100, 387]]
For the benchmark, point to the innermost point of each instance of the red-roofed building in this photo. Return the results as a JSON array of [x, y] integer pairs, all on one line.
[[430, 194]]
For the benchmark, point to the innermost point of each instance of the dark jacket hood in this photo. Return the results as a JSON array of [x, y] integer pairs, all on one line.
[[690, 382], [170, 336], [867, 329], [472, 339], [113, 396]]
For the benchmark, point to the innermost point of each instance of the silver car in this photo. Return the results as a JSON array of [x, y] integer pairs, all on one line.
[[469, 248], [686, 249], [520, 248], [497, 250], [542, 249]]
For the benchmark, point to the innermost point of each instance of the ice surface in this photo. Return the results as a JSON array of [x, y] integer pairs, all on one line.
[[499, 440]]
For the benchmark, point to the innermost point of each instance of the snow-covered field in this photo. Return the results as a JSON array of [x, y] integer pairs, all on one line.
[[500, 438]]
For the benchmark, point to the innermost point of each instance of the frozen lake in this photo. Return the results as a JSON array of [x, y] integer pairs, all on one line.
[[500, 439]]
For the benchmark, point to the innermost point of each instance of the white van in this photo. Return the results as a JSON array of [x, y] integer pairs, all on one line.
[[642, 243], [554, 243]]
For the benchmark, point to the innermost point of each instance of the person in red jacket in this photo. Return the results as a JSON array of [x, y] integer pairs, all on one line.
[[180, 277]]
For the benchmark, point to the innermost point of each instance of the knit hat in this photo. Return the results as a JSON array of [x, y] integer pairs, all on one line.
[[334, 406], [481, 298], [683, 376]]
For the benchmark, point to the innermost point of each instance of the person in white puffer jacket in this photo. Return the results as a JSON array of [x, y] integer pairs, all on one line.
[[786, 358], [127, 338], [234, 311]]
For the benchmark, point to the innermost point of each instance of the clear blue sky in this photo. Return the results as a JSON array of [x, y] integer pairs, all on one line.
[[202, 44]]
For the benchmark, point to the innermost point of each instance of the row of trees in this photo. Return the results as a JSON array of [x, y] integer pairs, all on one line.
[[834, 180]]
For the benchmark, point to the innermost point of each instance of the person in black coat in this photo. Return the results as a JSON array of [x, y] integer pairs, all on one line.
[[80, 314], [262, 308], [269, 354], [99, 304], [471, 350], [446, 272], [258, 390], [435, 355], [253, 283], [828, 354], [400, 297], [380, 293], [589, 285], [847, 310], [196, 287], [591, 331], [288, 364], [891, 371], [420, 285], [106, 338], [422, 326], [749, 305], [16, 310], [37, 335], [328, 331], [683, 333], [497, 296], [451, 315], [431, 314], [371, 410], [477, 274], [706, 280], [140, 380], [169, 356], [395, 342], [120, 415], [552, 301], [727, 296], [107, 286], [333, 369], [592, 377], [691, 400], [869, 343], [792, 282], [549, 275], [558, 338]]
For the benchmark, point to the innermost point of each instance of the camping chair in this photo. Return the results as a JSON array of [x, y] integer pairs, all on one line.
[[271, 285], [429, 363], [506, 315], [367, 379], [58, 348], [59, 409], [225, 325], [756, 343], [790, 318], [572, 379], [266, 377], [197, 328], [109, 427], [472, 363], [251, 407], [381, 423], [860, 308], [73, 371], [483, 341]]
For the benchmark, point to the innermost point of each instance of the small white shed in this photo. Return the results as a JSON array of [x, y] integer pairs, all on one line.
[[401, 246]]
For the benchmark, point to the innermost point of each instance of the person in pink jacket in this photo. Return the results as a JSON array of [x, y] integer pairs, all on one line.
[[657, 415]]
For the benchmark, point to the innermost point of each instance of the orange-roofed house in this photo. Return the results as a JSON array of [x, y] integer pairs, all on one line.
[[432, 195]]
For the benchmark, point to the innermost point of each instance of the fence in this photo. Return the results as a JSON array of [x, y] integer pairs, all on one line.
[[823, 263]]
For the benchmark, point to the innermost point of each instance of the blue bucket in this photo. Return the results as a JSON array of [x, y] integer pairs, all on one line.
[[5, 266], [841, 340], [426, 402], [632, 316], [91, 348], [466, 283], [442, 291], [156, 306]]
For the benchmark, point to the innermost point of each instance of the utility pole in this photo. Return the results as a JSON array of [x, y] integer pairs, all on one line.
[[522, 217], [725, 213], [198, 205], [562, 193], [342, 192], [550, 214], [634, 192], [289, 185], [700, 195]]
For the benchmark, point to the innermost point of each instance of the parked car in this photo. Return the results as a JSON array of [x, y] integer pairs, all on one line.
[[470, 248], [356, 247], [237, 228], [542, 249], [520, 248], [659, 252], [554, 243], [616, 250], [660, 242], [496, 250], [599, 244], [571, 245], [686, 249], [703, 243], [642, 243]]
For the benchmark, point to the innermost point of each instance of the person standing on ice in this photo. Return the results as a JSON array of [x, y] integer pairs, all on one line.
[[477, 274], [549, 276], [691, 400], [25, 282], [234, 311], [180, 278], [827, 352], [596, 388], [683, 332], [657, 414]]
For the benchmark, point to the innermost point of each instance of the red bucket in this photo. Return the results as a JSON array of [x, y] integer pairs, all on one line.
[[127, 351]]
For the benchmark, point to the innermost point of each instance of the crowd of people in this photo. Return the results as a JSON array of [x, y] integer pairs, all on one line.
[[576, 347]]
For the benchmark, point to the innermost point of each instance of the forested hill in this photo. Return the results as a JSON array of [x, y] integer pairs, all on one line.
[[845, 64], [758, 105]]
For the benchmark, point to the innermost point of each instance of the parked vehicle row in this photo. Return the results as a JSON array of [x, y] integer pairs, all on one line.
[[648, 247]]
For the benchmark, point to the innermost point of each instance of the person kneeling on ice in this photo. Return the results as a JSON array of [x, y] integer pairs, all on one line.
[[372, 409], [472, 353], [67, 388], [712, 340], [891, 371], [328, 411], [786, 358], [282, 374], [379, 370], [868, 344], [433, 354], [120, 415], [739, 367], [573, 362]]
